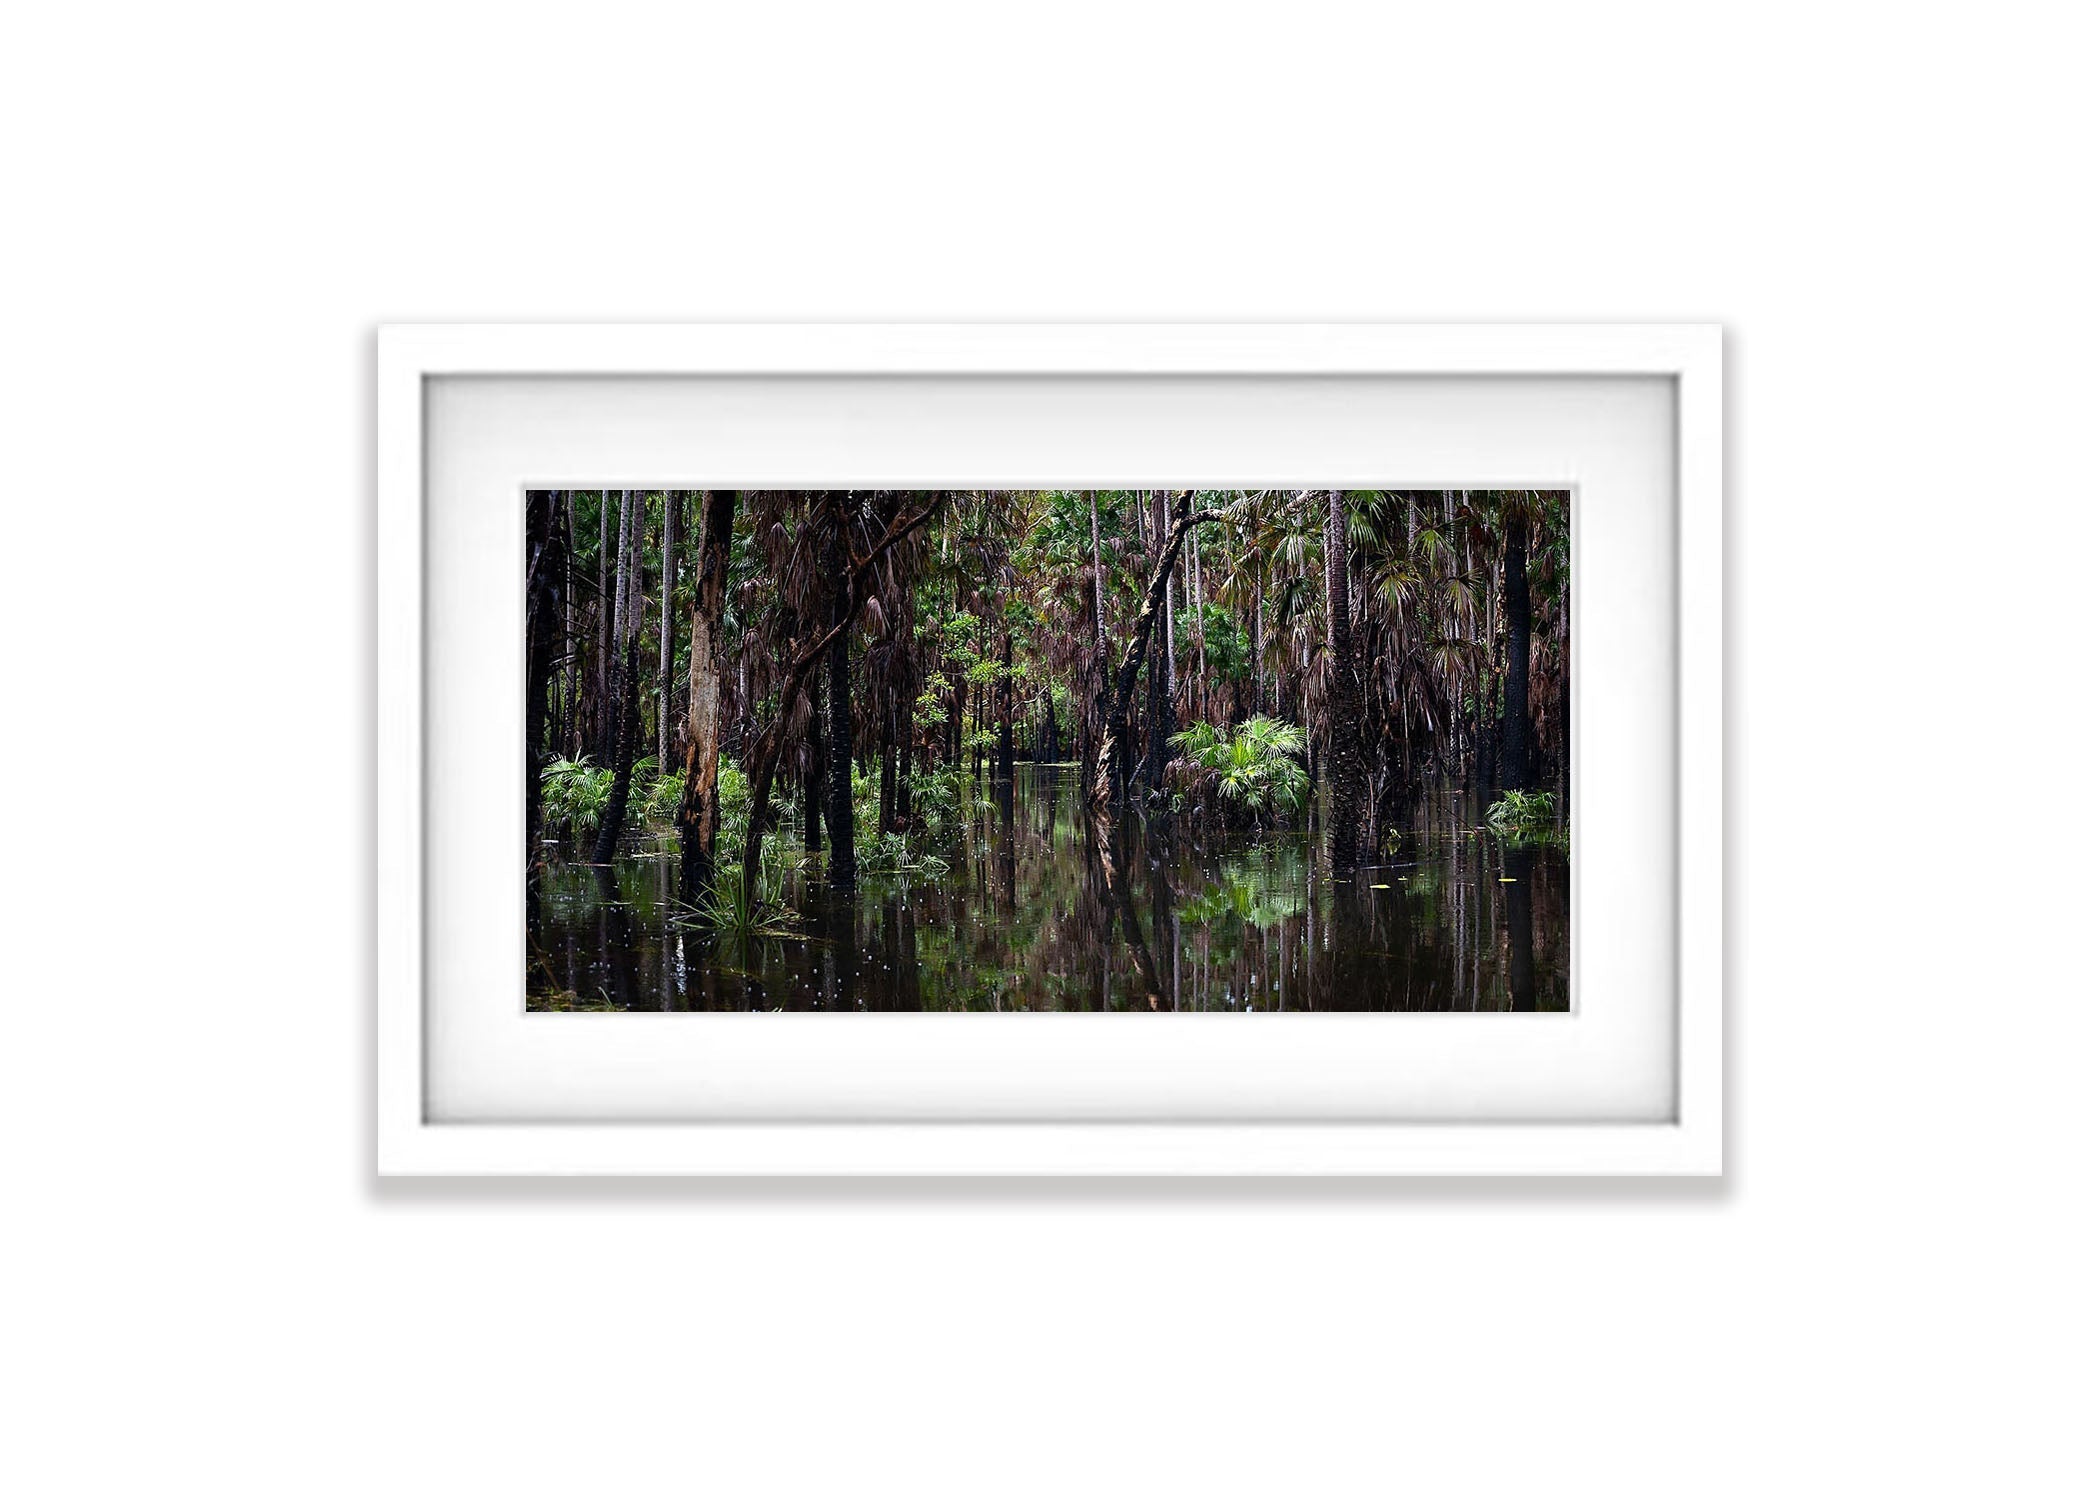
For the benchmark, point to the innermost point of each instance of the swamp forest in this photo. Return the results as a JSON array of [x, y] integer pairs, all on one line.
[[1013, 750]]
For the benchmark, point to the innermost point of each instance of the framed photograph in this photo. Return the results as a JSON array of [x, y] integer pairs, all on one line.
[[1087, 750]]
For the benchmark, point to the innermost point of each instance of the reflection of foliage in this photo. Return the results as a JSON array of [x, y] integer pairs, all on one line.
[[1521, 817], [567, 1000], [1258, 888], [1258, 766]]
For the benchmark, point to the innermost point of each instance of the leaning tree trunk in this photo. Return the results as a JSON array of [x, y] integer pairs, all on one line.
[[623, 712], [1133, 654], [1516, 679], [699, 811], [1345, 758]]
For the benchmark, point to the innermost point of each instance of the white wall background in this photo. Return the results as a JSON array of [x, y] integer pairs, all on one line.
[[208, 208]]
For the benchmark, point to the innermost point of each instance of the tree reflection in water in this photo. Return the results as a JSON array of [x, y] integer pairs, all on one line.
[[1030, 917]]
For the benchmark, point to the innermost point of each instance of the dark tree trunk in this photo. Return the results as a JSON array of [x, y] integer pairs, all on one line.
[[546, 563], [601, 711], [1159, 704], [571, 642], [625, 673], [839, 814], [1098, 725], [886, 755], [904, 750], [667, 583], [814, 773], [1004, 769], [1516, 680], [1345, 781], [624, 711], [699, 810]]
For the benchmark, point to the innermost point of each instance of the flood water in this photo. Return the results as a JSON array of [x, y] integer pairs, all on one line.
[[1447, 919]]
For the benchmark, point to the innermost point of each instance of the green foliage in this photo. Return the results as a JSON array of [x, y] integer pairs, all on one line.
[[892, 853], [932, 707], [1226, 648], [655, 798], [733, 791], [885, 851], [935, 805], [1521, 817], [574, 795], [1259, 766]]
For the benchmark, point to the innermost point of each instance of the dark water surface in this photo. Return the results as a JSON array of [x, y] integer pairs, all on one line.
[[1449, 919]]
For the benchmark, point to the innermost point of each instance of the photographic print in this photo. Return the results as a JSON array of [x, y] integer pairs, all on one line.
[[1047, 750]]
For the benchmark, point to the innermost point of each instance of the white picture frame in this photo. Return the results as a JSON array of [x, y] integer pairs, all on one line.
[[1687, 1140]]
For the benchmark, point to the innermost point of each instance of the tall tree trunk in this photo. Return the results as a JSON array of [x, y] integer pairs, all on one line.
[[1201, 697], [570, 646], [1516, 678], [906, 736], [886, 757], [623, 708], [1134, 654], [1101, 667], [1004, 768], [665, 655], [1259, 602], [816, 772], [546, 563], [839, 815], [1344, 700], [601, 713], [1159, 710], [699, 810]]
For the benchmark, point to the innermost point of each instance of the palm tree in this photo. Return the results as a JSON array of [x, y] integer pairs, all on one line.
[[1345, 702], [1516, 675], [623, 707], [546, 567]]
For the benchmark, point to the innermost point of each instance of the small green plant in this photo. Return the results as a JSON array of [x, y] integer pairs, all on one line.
[[735, 910], [1258, 766], [1521, 817], [892, 854], [574, 795], [935, 806]]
